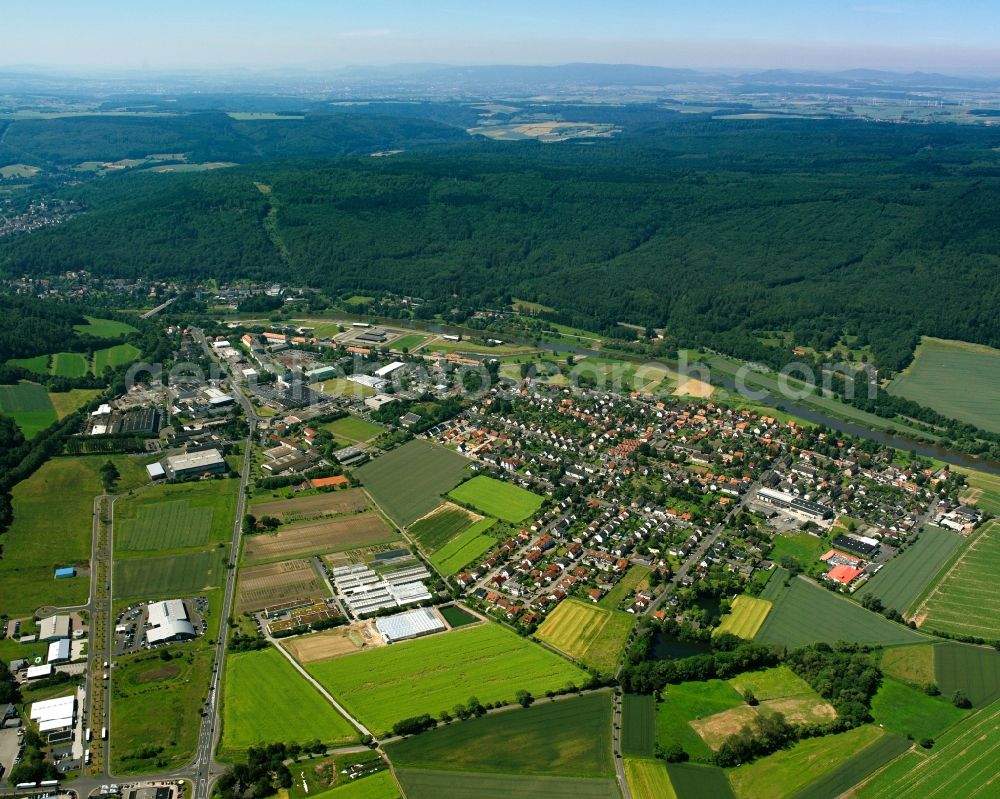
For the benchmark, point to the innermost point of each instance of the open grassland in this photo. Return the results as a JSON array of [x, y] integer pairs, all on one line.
[[648, 779], [65, 402], [780, 690], [438, 528], [69, 364], [354, 429], [904, 578], [421, 784], [965, 600], [104, 328], [790, 770], [319, 536], [173, 575], [912, 664], [746, 617], [428, 675], [408, 482], [593, 635], [53, 526], [464, 548], [638, 725], [983, 490], [807, 614], [156, 704], [569, 738], [908, 711], [775, 585], [497, 498], [963, 763], [118, 355], [273, 583], [331, 503], [29, 405], [39, 364], [974, 670], [631, 581], [266, 700], [852, 771], [692, 781], [687, 702], [410, 342], [381, 785], [173, 516], [958, 379], [804, 547]]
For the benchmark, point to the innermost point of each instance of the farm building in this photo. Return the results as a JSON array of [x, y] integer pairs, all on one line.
[[168, 621], [411, 624], [64, 572], [54, 714], [59, 651], [53, 628], [209, 461]]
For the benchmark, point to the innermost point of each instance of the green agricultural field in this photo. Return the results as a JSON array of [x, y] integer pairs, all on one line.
[[775, 585], [692, 781], [852, 771], [420, 784], [568, 738], [904, 578], [381, 785], [267, 700], [29, 405], [497, 498], [965, 601], [354, 429], [104, 328], [384, 685], [958, 379], [746, 617], [53, 526], [39, 364], [457, 616], [638, 725], [408, 482], [173, 516], [972, 669], [156, 704], [118, 355], [630, 582], [908, 711], [689, 701], [438, 528], [807, 614], [648, 779], [173, 575], [65, 402], [911, 664], [408, 343], [593, 635], [962, 762], [983, 490], [790, 770], [464, 548], [69, 364]]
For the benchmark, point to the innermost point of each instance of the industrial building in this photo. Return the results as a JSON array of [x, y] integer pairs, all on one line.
[[782, 499], [59, 651], [320, 373], [867, 547], [54, 715], [294, 461], [209, 461], [411, 624], [385, 371], [378, 401], [53, 628], [168, 621]]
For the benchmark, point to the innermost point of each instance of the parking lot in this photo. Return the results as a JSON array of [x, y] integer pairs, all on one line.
[[131, 625]]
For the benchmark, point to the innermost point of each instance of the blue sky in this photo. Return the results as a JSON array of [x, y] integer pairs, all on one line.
[[956, 36]]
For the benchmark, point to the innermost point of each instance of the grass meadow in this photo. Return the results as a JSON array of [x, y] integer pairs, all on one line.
[[29, 405], [593, 635], [172, 516], [438, 528], [497, 498], [464, 548], [689, 701], [380, 785], [630, 582], [169, 575], [908, 711], [104, 328]]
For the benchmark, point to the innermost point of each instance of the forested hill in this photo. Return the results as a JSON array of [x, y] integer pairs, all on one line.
[[718, 230]]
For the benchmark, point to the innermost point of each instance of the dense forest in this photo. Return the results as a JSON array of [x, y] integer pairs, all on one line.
[[715, 230]]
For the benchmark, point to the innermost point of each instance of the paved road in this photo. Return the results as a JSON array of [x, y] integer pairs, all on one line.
[[616, 744]]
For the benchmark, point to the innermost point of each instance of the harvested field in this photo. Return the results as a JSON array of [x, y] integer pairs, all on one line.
[[716, 728], [320, 536], [353, 500], [274, 583], [333, 643]]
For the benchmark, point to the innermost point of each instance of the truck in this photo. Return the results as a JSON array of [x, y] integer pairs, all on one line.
[[104, 733], [89, 734]]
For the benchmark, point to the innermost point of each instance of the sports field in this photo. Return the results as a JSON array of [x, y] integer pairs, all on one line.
[[382, 686], [438, 528], [118, 355], [965, 600], [421, 784], [568, 738], [174, 575], [104, 328], [638, 725], [408, 482], [908, 711], [690, 701], [958, 379], [354, 429], [29, 405], [790, 770], [962, 763], [633, 578], [342, 387], [464, 548], [319, 536], [173, 516], [648, 779], [497, 498], [746, 617], [807, 614], [267, 700], [903, 579], [593, 635]]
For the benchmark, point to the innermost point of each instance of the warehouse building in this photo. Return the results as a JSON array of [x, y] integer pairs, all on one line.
[[411, 624], [54, 715], [168, 621], [782, 499], [59, 651], [53, 628], [209, 461]]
